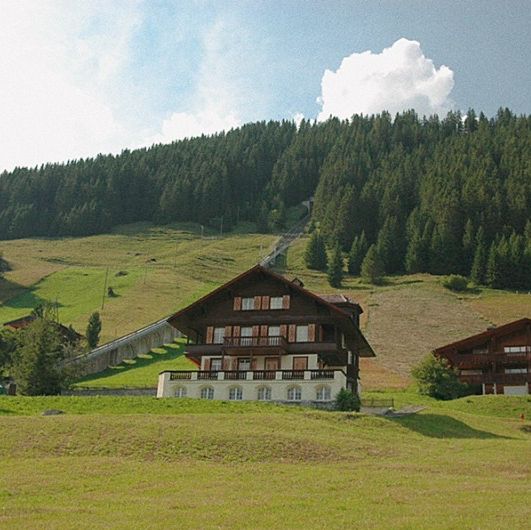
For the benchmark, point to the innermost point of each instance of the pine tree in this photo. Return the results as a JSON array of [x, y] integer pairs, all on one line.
[[477, 273], [93, 330], [492, 275], [315, 253], [335, 268], [37, 361], [357, 253], [372, 268], [468, 247]]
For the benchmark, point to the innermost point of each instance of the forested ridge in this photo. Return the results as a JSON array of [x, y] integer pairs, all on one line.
[[439, 195]]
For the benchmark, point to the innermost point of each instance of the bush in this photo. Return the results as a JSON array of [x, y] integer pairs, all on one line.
[[436, 378], [455, 282], [347, 401]]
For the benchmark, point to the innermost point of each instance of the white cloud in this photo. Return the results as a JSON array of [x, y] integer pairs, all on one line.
[[56, 79], [297, 118], [219, 94], [399, 78]]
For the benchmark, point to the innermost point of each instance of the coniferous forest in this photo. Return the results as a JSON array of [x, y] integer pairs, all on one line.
[[440, 195]]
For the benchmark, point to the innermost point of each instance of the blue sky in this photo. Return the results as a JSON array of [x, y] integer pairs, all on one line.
[[80, 77]]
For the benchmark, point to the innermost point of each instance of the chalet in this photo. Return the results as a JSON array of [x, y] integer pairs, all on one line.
[[496, 361], [25, 321], [263, 337]]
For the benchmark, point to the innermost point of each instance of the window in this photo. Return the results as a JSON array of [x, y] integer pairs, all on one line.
[[244, 364], [235, 393], [516, 370], [274, 331], [480, 350], [323, 393], [207, 392], [294, 393], [247, 304], [264, 393], [246, 333], [180, 392], [219, 335], [471, 372], [215, 365], [275, 302], [302, 333], [516, 349]]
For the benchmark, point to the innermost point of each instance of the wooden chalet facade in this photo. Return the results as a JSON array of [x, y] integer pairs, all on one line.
[[263, 337], [496, 361]]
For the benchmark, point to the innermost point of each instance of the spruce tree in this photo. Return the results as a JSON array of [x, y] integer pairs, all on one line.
[[477, 273], [335, 268], [315, 253], [492, 274], [93, 330], [38, 366], [372, 268], [357, 253]]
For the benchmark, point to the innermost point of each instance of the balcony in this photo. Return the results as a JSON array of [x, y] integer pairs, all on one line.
[[253, 375], [502, 379], [477, 360], [259, 345]]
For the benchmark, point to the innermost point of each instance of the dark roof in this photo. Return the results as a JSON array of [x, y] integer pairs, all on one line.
[[484, 336], [26, 320], [364, 345]]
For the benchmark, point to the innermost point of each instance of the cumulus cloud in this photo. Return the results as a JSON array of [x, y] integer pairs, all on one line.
[[399, 78]]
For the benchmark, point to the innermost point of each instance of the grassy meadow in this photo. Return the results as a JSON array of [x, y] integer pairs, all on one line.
[[147, 463], [157, 270]]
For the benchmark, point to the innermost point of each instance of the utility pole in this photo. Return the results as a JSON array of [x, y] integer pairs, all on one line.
[[105, 288]]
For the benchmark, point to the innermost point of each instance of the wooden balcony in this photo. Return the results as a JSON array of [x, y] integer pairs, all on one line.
[[478, 360], [502, 379], [258, 345]]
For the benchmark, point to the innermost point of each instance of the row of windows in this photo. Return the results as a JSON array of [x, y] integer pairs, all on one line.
[[301, 333], [250, 303], [294, 393], [517, 349]]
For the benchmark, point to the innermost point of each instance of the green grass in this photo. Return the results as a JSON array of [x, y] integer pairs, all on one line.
[[197, 464], [167, 268], [141, 372]]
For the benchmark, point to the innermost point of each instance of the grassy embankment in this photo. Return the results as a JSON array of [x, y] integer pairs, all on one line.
[[142, 462]]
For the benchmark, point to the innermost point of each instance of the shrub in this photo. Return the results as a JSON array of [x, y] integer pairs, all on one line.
[[455, 282], [347, 401], [436, 378]]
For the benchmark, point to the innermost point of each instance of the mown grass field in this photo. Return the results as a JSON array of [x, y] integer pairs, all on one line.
[[147, 463], [168, 267]]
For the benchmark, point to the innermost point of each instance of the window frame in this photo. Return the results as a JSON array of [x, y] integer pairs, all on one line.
[[235, 393], [327, 393], [302, 327], [247, 300], [215, 335], [260, 394], [208, 390], [279, 301], [298, 393], [180, 391]]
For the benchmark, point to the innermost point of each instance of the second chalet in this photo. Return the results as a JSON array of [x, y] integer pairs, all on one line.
[[263, 337]]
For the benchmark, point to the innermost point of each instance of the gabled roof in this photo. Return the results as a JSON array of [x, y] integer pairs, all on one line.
[[484, 336], [258, 269], [25, 321]]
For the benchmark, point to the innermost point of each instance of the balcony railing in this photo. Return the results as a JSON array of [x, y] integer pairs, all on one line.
[[255, 342], [465, 360], [502, 379], [254, 375]]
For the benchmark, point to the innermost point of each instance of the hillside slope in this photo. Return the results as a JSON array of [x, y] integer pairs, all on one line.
[[169, 267]]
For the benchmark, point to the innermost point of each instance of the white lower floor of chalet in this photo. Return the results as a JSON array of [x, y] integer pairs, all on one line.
[[259, 385]]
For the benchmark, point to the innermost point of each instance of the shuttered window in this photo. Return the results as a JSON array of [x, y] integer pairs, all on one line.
[[219, 335], [275, 302], [247, 304], [209, 335]]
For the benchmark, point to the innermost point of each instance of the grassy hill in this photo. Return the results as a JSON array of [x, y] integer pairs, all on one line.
[[147, 463], [156, 270]]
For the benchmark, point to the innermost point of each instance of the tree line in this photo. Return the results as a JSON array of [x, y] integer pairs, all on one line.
[[440, 195]]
